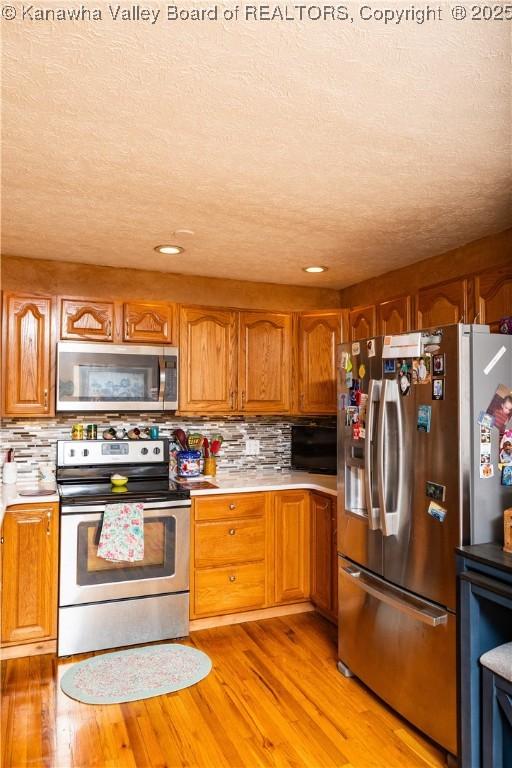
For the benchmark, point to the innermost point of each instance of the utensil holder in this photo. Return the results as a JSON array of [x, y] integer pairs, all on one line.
[[210, 466], [188, 463]]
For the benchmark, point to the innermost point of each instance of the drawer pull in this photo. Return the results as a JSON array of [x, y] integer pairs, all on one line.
[[231, 531], [232, 578], [232, 506]]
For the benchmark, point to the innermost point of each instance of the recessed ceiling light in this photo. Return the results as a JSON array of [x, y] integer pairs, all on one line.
[[314, 269], [169, 249]]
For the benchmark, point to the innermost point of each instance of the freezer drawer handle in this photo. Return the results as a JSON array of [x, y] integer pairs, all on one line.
[[430, 615]]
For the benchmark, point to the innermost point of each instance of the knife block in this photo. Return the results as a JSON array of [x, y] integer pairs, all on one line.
[[507, 530]]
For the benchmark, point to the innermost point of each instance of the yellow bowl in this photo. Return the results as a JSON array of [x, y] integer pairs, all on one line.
[[119, 489], [118, 481]]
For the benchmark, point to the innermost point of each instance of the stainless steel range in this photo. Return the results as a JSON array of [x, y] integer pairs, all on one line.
[[106, 604]]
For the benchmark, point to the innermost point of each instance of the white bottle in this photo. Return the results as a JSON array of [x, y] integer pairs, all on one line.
[[9, 472]]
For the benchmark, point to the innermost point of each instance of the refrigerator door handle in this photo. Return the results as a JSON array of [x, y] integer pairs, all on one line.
[[396, 598], [374, 390], [390, 396]]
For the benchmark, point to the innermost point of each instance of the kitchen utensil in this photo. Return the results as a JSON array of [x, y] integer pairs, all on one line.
[[215, 444], [206, 448], [181, 438], [195, 441]]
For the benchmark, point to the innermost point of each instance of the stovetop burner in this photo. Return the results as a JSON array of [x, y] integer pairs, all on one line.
[[145, 490]]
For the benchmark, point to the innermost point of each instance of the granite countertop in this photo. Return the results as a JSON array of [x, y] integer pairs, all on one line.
[[226, 482], [10, 494], [244, 482], [488, 554]]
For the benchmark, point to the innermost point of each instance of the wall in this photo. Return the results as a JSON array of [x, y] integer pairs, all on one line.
[[474, 257], [34, 441], [96, 282]]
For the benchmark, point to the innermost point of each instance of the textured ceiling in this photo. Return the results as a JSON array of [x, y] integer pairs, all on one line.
[[281, 144]]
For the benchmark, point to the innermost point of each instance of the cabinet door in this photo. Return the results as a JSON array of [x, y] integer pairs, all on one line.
[[148, 322], [361, 321], [394, 316], [265, 362], [321, 553], [319, 334], [442, 304], [493, 296], [207, 360], [29, 573], [292, 546], [28, 355], [87, 320]]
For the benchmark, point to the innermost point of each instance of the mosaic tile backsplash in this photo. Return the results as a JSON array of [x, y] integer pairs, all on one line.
[[34, 441]]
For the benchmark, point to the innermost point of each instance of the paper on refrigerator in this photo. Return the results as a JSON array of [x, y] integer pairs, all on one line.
[[403, 345]]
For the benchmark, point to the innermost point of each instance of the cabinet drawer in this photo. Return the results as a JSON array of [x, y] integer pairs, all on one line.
[[227, 590], [230, 506], [229, 542]]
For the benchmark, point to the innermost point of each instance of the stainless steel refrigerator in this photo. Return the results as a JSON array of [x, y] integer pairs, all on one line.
[[409, 491]]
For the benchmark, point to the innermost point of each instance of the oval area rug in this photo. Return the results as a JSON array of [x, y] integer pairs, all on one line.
[[135, 673]]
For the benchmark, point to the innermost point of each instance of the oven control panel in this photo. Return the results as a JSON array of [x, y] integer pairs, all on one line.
[[72, 453]]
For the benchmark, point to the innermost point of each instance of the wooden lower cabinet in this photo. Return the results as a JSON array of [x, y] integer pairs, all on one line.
[[29, 573], [258, 550], [230, 589], [324, 576], [229, 546], [291, 546]]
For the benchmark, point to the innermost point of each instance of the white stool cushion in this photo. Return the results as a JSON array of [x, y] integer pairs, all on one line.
[[499, 661]]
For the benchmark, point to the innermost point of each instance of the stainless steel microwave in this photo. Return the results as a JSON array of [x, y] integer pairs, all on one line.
[[116, 377]]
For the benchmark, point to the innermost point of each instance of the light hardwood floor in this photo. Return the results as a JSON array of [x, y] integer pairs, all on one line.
[[273, 698]]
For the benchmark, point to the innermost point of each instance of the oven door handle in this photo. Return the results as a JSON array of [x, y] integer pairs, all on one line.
[[158, 506], [96, 516]]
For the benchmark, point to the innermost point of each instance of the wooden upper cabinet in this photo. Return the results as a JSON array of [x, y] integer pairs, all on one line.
[[442, 304], [361, 322], [207, 360], [29, 573], [394, 316], [87, 320], [292, 537], [28, 357], [493, 296], [265, 362], [148, 322], [319, 335]]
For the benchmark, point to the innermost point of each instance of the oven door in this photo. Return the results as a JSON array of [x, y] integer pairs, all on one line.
[[87, 578]]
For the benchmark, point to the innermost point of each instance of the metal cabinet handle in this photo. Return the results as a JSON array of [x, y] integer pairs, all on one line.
[[48, 523], [232, 506], [243, 398], [232, 578], [127, 326], [232, 397], [45, 394], [374, 389], [390, 519], [302, 399], [109, 327], [396, 598], [231, 531]]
